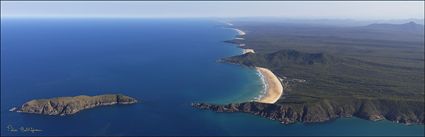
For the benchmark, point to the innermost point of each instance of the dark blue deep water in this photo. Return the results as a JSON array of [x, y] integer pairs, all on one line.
[[165, 63]]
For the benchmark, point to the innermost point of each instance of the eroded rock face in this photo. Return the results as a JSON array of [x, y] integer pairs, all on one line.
[[71, 105], [325, 110]]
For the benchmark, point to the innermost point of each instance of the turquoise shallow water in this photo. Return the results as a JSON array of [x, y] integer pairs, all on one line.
[[166, 63]]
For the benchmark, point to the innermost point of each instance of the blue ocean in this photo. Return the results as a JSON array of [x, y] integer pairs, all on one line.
[[164, 63]]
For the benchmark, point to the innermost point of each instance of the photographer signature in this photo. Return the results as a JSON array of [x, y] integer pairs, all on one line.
[[10, 128]]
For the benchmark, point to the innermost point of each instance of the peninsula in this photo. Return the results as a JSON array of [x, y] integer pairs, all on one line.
[[71, 105], [373, 72]]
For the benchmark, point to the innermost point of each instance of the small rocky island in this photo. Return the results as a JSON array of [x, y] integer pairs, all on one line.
[[71, 105]]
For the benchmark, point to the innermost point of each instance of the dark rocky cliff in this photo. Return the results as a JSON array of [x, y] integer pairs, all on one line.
[[324, 110], [71, 105]]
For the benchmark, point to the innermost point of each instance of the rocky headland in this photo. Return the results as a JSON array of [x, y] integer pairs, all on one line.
[[292, 107], [323, 110]]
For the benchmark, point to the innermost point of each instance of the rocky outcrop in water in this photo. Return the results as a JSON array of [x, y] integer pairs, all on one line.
[[408, 112], [71, 105]]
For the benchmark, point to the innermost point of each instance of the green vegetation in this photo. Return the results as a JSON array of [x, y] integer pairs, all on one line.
[[71, 105], [373, 72], [342, 62]]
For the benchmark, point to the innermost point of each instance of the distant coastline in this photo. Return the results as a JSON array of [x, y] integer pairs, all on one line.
[[273, 88]]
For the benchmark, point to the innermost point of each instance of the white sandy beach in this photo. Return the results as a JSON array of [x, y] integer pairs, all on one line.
[[244, 51], [273, 89], [240, 32]]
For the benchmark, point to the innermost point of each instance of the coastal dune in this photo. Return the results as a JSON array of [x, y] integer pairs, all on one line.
[[273, 88]]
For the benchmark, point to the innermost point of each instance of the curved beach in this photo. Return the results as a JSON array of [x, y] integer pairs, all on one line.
[[240, 32], [273, 87]]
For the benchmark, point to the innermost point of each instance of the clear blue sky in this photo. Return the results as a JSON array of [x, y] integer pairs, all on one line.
[[300, 9]]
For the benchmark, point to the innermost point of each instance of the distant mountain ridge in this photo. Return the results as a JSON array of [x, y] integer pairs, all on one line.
[[281, 58], [410, 26], [299, 57], [326, 22]]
